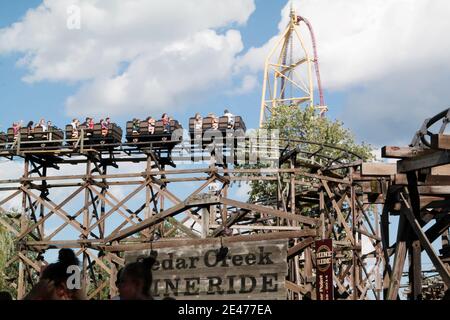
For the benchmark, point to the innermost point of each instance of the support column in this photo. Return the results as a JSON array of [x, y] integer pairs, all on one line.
[[21, 286], [86, 224]]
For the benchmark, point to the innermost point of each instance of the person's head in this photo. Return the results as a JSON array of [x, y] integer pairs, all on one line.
[[164, 116], [135, 279], [226, 111], [55, 276], [149, 119], [49, 123], [108, 119], [30, 123]]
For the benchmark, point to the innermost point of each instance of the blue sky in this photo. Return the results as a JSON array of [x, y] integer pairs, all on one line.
[[372, 58], [47, 98]]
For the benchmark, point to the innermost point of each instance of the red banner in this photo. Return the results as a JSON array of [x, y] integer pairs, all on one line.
[[324, 269]]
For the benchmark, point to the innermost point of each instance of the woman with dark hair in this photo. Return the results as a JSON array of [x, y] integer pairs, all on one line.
[[166, 122], [135, 279], [30, 129], [53, 284]]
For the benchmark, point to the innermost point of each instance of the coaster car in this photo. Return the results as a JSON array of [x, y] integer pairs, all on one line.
[[159, 135], [37, 137], [224, 130], [96, 136], [3, 140]]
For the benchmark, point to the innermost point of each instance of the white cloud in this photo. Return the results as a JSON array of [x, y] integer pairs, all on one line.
[[388, 58], [249, 82], [172, 50], [364, 40]]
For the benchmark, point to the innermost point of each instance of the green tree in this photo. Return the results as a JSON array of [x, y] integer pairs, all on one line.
[[330, 140], [7, 251]]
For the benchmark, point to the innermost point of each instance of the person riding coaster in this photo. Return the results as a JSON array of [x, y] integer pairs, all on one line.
[[105, 126]]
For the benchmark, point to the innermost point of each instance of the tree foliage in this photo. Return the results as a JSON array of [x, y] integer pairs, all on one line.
[[296, 124], [7, 251]]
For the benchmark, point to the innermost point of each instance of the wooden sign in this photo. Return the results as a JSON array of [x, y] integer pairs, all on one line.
[[250, 271], [324, 269]]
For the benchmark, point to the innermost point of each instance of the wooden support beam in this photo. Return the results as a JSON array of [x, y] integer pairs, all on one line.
[[58, 210], [402, 152], [341, 218], [397, 272], [49, 214], [438, 264], [299, 247], [440, 170], [180, 226], [440, 141], [296, 288], [177, 242], [430, 160], [434, 190], [269, 211], [147, 223], [378, 169], [415, 270]]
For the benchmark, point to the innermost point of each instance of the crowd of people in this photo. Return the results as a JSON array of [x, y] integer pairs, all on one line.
[[133, 282], [89, 124]]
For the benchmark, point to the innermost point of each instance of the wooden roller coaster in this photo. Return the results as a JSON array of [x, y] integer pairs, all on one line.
[[320, 192]]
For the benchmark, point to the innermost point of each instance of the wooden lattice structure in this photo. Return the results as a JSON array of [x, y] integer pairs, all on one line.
[[320, 192]]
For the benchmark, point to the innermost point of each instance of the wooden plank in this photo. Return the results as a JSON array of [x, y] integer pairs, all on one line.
[[378, 169], [434, 190], [147, 223], [174, 243], [400, 179], [183, 228], [399, 262], [402, 152], [296, 288], [298, 248], [440, 141], [27, 260], [269, 211], [441, 170], [430, 160]]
